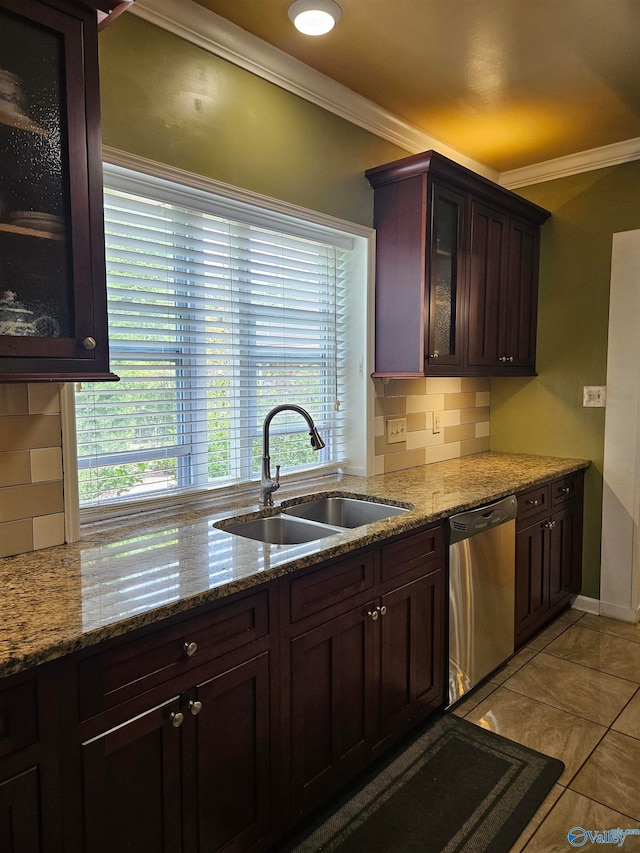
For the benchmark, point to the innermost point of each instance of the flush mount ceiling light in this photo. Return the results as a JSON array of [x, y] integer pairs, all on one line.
[[314, 17]]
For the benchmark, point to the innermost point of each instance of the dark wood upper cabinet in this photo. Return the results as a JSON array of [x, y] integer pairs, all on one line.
[[456, 272], [53, 313]]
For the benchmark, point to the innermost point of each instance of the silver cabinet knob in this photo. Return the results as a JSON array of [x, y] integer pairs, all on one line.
[[89, 343], [195, 706], [502, 358], [435, 354], [373, 615], [565, 490], [382, 610], [534, 502], [177, 719], [549, 525], [190, 649]]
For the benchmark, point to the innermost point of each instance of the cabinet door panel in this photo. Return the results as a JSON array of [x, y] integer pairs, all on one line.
[[331, 695], [411, 650], [232, 759], [487, 283], [20, 813], [532, 579], [522, 295], [565, 547], [446, 273], [132, 787]]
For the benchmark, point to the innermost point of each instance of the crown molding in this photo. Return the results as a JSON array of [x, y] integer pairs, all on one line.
[[215, 34], [573, 164]]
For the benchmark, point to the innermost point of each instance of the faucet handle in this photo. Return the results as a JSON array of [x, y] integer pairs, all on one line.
[[277, 478]]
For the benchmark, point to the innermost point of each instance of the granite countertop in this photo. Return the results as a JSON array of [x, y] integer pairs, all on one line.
[[154, 564]]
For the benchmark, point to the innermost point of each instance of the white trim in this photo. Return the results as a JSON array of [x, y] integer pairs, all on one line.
[[216, 35], [622, 614], [587, 605], [573, 164], [69, 463], [171, 173], [620, 555]]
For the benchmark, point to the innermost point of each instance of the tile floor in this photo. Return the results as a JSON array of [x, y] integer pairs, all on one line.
[[573, 692]]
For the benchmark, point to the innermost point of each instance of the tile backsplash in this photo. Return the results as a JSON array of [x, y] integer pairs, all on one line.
[[31, 503], [463, 408]]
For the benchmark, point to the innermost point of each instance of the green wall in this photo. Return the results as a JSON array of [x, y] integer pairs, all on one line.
[[544, 415], [168, 100]]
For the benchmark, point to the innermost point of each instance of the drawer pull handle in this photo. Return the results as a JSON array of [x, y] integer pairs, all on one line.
[[177, 719], [382, 610], [533, 502], [89, 343], [565, 490], [195, 706], [373, 615], [190, 649]]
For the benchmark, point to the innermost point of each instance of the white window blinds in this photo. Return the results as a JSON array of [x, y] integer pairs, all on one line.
[[213, 320]]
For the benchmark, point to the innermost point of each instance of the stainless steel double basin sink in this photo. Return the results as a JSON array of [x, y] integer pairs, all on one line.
[[311, 519]]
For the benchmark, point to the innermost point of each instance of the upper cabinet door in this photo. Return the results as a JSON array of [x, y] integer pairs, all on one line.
[[521, 298], [446, 276], [53, 320], [488, 285]]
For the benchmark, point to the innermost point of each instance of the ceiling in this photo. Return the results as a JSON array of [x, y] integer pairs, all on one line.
[[509, 83]]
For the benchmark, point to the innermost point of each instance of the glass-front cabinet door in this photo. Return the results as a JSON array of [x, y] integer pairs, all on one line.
[[445, 276], [52, 280]]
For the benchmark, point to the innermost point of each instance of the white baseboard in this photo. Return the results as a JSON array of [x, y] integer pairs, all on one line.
[[616, 611], [587, 605], [604, 608]]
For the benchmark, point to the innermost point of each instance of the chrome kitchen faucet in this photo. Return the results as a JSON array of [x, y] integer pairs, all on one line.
[[268, 485]]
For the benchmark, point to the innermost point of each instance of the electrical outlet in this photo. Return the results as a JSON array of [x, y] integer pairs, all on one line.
[[396, 430], [594, 395], [436, 423]]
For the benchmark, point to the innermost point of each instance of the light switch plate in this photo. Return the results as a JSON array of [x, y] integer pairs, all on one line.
[[594, 396], [396, 430]]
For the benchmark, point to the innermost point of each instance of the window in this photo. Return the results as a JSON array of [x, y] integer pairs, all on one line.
[[217, 312]]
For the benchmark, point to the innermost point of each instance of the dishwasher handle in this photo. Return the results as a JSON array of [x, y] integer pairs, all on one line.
[[477, 520]]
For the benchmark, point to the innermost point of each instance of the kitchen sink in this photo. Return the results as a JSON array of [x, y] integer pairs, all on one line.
[[343, 512], [279, 530], [310, 520]]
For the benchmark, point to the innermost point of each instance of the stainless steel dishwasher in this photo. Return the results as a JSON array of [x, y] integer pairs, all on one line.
[[481, 592]]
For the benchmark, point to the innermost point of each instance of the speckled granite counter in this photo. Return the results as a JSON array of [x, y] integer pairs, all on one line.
[[154, 565]]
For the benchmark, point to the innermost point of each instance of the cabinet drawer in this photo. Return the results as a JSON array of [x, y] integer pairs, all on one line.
[[18, 717], [331, 585], [533, 502], [565, 489], [410, 554], [126, 670]]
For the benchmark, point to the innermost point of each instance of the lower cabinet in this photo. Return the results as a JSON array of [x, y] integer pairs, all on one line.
[[168, 779], [173, 750], [364, 669], [20, 813], [30, 790], [131, 785], [411, 651], [548, 553]]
